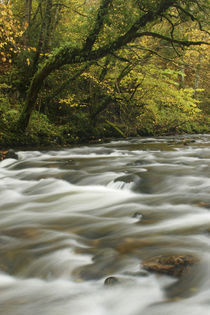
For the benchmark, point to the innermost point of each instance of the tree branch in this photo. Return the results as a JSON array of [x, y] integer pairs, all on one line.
[[99, 22], [172, 32], [71, 8], [120, 58], [74, 55], [193, 18], [172, 40], [132, 34], [153, 52]]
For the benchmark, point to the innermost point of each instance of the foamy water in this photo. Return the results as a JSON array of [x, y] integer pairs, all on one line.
[[73, 217]]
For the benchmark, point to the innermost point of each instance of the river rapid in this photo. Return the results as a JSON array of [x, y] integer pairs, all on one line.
[[71, 218]]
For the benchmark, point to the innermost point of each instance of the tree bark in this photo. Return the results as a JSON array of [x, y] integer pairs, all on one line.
[[44, 35], [71, 55], [28, 7]]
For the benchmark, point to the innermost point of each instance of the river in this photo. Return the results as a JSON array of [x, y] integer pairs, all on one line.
[[72, 217]]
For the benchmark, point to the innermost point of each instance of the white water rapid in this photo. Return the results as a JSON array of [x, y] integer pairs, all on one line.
[[71, 218]]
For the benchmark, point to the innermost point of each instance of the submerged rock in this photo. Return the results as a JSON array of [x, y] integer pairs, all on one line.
[[140, 273], [111, 281], [173, 265], [2, 155], [105, 262], [188, 141], [137, 215]]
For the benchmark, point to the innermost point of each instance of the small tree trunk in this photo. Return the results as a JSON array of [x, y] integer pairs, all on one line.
[[197, 76], [27, 18], [44, 35], [181, 77], [28, 7], [48, 23]]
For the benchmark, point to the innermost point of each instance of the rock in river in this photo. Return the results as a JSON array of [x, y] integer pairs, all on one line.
[[10, 154], [173, 265], [111, 281]]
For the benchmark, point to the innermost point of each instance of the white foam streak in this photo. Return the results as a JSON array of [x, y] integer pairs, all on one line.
[[72, 217], [186, 223], [81, 298]]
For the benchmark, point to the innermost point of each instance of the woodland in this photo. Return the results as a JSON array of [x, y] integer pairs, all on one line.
[[74, 71]]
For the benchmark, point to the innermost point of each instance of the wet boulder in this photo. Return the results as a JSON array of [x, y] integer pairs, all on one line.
[[2, 155], [10, 154], [110, 281], [105, 262], [132, 179], [137, 215], [172, 265]]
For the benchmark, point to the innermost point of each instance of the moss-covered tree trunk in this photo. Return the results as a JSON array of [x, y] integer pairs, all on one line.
[[64, 56], [87, 52], [28, 8]]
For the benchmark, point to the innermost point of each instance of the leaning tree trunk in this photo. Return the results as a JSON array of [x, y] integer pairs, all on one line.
[[197, 76], [31, 98], [64, 56], [71, 55]]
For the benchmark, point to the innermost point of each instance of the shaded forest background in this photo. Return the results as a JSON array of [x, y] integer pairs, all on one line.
[[76, 70]]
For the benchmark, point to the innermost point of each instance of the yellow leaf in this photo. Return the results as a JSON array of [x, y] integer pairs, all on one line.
[[28, 61]]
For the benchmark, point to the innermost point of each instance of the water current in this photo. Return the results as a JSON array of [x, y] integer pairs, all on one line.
[[72, 217]]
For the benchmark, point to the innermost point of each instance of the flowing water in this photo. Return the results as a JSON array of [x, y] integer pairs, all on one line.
[[71, 218]]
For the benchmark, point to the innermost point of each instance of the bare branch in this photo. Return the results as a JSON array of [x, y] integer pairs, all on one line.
[[69, 7], [193, 18], [137, 86], [171, 40], [172, 33], [153, 52], [120, 58]]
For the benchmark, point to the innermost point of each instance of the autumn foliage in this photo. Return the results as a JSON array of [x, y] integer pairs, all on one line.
[[86, 69], [10, 33]]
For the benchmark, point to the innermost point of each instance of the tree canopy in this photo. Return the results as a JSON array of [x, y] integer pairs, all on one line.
[[149, 44]]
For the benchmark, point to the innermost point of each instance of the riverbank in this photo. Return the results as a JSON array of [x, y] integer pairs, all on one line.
[[8, 151], [52, 136]]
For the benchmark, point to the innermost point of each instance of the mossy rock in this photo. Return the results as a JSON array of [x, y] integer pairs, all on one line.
[[173, 265], [8, 154]]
